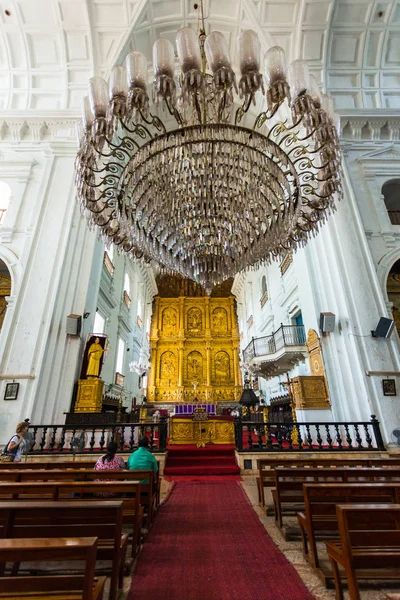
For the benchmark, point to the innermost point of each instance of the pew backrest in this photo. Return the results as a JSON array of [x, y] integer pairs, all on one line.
[[52, 549]]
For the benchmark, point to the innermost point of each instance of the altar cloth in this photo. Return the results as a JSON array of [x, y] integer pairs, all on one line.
[[187, 409]]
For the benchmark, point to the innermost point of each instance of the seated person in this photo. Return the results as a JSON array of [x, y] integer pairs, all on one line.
[[110, 462], [142, 459]]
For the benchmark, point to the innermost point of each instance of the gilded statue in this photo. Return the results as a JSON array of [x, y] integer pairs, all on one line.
[[94, 355], [221, 365], [169, 320], [220, 320], [194, 320], [194, 366]]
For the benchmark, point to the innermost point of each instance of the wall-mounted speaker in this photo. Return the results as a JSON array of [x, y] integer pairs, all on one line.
[[384, 328], [327, 322], [74, 323]]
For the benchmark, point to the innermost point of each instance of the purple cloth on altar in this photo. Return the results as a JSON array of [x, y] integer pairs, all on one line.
[[187, 409]]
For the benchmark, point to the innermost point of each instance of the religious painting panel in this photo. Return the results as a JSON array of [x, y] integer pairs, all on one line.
[[194, 368], [222, 368], [169, 322], [194, 321], [219, 321], [168, 368]]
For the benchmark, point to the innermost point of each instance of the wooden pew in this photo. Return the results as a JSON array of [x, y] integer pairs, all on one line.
[[369, 545], [289, 486], [266, 466], [319, 517], [148, 493], [84, 490], [48, 464], [52, 587], [289, 482], [71, 519]]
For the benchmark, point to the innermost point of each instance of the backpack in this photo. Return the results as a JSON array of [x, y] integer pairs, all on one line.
[[9, 455]]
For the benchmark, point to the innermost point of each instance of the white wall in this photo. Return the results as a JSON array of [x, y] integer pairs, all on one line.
[[342, 270]]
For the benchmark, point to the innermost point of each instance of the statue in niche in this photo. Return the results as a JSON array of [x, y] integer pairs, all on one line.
[[194, 366], [169, 321], [194, 320], [222, 367], [220, 320], [167, 366]]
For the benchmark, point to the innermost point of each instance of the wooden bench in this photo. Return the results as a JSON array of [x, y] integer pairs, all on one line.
[[289, 483], [84, 490], [289, 486], [42, 465], [369, 545], [148, 491], [52, 587], [266, 466], [319, 517], [71, 519]]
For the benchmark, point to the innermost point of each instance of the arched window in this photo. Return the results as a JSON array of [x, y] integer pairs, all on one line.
[[99, 323], [5, 193], [391, 197], [127, 290], [264, 290], [127, 284], [119, 367]]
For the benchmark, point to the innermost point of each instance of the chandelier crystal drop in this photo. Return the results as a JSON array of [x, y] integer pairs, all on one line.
[[190, 175]]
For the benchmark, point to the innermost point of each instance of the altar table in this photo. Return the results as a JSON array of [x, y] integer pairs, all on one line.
[[217, 429]]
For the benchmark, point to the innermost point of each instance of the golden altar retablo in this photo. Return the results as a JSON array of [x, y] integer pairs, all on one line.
[[194, 346]]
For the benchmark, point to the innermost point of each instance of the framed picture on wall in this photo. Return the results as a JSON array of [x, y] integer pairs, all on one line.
[[11, 392], [389, 387]]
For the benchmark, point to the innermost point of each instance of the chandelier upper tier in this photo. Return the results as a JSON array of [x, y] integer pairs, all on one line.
[[194, 181]]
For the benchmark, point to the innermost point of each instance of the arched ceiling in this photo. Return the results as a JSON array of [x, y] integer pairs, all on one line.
[[50, 48]]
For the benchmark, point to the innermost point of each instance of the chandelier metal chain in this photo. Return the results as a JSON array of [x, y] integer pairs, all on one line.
[[206, 189]]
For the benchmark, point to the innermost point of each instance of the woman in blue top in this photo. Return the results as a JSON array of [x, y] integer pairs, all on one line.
[[16, 446]]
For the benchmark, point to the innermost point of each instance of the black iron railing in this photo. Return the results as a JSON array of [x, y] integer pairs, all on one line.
[[84, 439], [286, 335], [297, 437]]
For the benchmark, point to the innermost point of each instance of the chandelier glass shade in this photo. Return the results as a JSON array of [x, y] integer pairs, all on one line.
[[192, 175]]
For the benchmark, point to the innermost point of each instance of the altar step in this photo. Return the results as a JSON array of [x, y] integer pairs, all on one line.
[[211, 460]]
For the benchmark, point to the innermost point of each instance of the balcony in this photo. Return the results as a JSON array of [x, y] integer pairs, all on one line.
[[278, 353]]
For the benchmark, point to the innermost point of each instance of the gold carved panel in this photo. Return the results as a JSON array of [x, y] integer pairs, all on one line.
[[169, 322], [168, 368], [219, 321], [222, 368], [186, 431], [194, 368], [194, 321]]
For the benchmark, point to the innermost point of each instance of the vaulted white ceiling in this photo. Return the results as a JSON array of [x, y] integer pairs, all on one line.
[[50, 48]]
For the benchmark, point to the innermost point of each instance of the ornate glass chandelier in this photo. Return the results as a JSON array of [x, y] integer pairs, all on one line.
[[198, 182]]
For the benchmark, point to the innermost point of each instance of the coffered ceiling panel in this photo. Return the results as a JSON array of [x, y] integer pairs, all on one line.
[[50, 48]]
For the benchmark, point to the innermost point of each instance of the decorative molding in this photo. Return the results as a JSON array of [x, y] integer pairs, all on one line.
[[36, 128]]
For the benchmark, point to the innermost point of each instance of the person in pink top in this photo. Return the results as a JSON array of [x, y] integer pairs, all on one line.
[[109, 462]]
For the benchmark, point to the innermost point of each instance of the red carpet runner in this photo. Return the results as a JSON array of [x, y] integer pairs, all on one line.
[[217, 459], [207, 543]]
